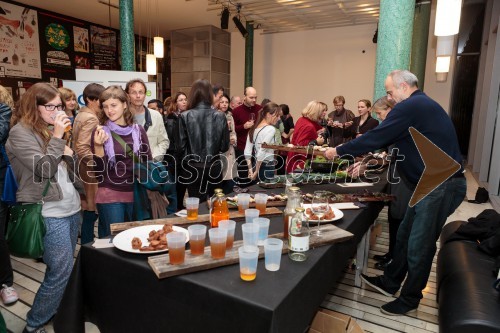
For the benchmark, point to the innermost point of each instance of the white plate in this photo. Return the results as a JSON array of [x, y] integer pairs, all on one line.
[[338, 214], [123, 240]]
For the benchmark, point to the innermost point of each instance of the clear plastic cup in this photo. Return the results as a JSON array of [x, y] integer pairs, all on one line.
[[230, 226], [261, 202], [176, 247], [192, 205], [263, 224], [197, 235], [249, 255], [250, 233], [250, 214], [243, 202], [272, 251], [218, 238]]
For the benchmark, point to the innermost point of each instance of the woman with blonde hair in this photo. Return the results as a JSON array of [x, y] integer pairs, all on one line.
[[44, 169], [71, 103], [308, 130], [7, 292], [114, 198]]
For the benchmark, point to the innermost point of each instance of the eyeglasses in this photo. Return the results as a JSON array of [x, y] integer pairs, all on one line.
[[51, 107]]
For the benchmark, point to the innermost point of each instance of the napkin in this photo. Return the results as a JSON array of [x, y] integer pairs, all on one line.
[[182, 213], [361, 184], [103, 243]]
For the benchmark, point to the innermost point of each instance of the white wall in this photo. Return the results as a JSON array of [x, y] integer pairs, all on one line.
[[297, 67]]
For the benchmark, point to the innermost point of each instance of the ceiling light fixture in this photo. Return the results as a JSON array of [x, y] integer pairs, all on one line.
[[447, 17], [157, 40]]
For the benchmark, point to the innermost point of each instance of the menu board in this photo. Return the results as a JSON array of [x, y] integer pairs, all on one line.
[[103, 47], [19, 42]]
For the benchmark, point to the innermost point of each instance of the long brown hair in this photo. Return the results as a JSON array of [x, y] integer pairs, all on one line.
[[269, 108], [27, 113], [118, 93], [201, 91], [172, 108]]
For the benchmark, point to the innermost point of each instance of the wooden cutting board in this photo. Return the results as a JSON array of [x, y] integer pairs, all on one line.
[[162, 268], [298, 150], [182, 221]]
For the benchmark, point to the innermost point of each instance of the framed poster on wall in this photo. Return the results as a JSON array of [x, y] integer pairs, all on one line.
[[19, 42]]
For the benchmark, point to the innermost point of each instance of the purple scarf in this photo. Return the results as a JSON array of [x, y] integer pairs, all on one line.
[[109, 147]]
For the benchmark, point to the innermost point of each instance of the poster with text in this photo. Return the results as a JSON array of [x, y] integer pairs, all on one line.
[[19, 42], [103, 47], [81, 39]]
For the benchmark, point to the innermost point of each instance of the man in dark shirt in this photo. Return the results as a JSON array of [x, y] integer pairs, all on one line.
[[417, 235], [244, 117]]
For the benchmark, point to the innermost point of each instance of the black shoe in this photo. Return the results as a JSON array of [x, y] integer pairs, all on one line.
[[397, 308], [383, 264], [384, 257], [376, 283]]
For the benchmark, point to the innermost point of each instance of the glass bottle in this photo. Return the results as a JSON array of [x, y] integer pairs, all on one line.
[[220, 210], [294, 200], [298, 239], [210, 202]]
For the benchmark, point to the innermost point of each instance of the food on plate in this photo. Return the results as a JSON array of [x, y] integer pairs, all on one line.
[[136, 243], [330, 215], [157, 240]]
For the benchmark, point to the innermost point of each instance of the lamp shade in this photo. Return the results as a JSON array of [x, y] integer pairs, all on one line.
[[151, 64], [443, 64], [158, 47], [447, 17], [445, 45]]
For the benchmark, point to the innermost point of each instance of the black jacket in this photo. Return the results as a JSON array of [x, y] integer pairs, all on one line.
[[5, 114], [172, 127], [204, 134]]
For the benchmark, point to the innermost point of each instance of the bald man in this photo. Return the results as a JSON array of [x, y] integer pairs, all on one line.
[[244, 117]]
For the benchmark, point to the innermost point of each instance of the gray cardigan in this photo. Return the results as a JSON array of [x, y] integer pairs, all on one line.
[[33, 167]]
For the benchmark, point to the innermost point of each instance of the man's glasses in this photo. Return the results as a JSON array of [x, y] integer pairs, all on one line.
[[51, 107]]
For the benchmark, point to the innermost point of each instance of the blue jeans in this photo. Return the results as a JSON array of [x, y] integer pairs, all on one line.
[[59, 242], [416, 240], [266, 171], [110, 213]]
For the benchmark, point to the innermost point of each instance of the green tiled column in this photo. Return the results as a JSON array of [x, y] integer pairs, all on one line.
[[394, 40], [419, 40], [249, 55], [127, 34]]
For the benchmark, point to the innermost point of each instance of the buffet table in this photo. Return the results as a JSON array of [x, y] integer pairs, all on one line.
[[119, 292]]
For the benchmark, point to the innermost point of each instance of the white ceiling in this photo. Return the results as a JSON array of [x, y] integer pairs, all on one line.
[[270, 15]]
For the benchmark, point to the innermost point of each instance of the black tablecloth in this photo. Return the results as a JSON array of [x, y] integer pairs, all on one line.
[[119, 292]]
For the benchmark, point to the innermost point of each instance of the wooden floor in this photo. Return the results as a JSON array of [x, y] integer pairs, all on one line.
[[360, 303]]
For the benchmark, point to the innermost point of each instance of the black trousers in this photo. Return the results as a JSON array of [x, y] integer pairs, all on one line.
[[201, 180]]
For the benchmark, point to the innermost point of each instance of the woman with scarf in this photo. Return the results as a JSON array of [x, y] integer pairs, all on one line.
[[115, 196]]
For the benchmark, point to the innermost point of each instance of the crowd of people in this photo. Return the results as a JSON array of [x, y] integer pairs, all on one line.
[[206, 140]]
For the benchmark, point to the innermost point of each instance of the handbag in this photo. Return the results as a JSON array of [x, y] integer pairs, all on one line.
[[26, 229], [10, 182], [152, 175]]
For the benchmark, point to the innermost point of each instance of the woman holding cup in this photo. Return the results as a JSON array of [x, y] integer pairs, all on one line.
[[41, 159]]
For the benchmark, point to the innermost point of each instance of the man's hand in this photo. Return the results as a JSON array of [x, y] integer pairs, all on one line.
[[330, 153], [357, 169], [248, 124], [348, 124]]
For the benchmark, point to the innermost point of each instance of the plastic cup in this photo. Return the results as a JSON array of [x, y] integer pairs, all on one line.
[[176, 247], [197, 234], [250, 214], [261, 202], [192, 205], [263, 224], [218, 238], [250, 233], [230, 226], [272, 253], [243, 202], [249, 256]]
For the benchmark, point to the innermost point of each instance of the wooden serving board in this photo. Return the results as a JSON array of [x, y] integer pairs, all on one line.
[[182, 221], [298, 150], [162, 268], [274, 203]]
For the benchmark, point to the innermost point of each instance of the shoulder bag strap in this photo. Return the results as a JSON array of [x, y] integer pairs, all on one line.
[[126, 148]]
